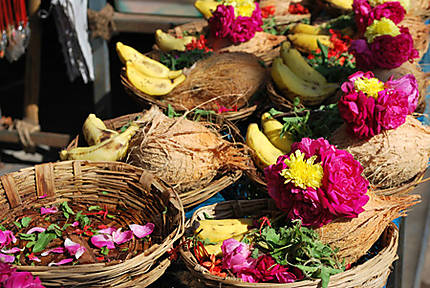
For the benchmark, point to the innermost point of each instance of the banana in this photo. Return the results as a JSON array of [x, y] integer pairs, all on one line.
[[265, 153], [218, 230], [95, 130], [298, 64], [292, 86], [341, 4], [206, 7], [112, 149], [167, 42], [308, 42], [272, 128], [306, 29], [150, 85], [144, 63]]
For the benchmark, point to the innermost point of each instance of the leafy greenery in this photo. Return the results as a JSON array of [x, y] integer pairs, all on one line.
[[25, 221], [43, 239], [67, 211], [300, 247], [177, 60], [341, 22]]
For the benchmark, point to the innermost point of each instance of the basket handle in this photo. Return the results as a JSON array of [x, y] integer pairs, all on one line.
[[45, 179], [12, 194]]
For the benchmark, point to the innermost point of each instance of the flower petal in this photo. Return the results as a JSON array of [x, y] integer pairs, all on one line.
[[122, 237], [108, 230], [6, 258], [101, 241], [36, 229], [12, 250], [74, 224], [34, 258], [62, 262], [141, 231], [53, 250], [51, 210], [75, 249]]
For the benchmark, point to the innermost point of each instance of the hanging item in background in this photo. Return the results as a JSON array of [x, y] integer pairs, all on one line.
[[71, 21], [14, 29]]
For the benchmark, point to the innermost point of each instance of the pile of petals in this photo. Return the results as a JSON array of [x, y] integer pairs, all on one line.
[[10, 278], [317, 183], [237, 21], [237, 258], [382, 43], [110, 236], [369, 106]]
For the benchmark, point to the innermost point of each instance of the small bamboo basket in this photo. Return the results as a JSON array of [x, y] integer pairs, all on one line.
[[372, 273], [119, 187], [220, 182]]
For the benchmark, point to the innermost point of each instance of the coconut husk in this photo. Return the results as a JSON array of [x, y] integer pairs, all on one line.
[[408, 68], [227, 79], [186, 154], [420, 32], [390, 158], [419, 8], [354, 237]]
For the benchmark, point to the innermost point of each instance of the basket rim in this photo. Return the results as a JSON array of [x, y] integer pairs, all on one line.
[[389, 252], [154, 254]]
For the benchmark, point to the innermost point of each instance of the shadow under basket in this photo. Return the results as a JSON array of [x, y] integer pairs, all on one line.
[[134, 195], [372, 273], [194, 197]]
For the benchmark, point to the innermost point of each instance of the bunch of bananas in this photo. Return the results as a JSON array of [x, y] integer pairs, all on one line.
[[206, 7], [105, 144], [294, 77], [167, 42], [146, 74], [268, 144]]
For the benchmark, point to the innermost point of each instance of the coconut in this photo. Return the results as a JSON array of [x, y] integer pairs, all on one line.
[[354, 237], [419, 32], [391, 158], [408, 68], [185, 154], [227, 79], [419, 8]]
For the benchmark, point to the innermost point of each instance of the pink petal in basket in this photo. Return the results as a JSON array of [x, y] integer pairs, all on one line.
[[51, 210], [103, 240], [121, 237], [36, 229], [73, 248], [141, 231], [12, 250], [6, 258], [53, 250], [62, 262]]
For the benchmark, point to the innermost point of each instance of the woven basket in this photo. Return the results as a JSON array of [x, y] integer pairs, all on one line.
[[116, 185], [193, 197], [372, 273]]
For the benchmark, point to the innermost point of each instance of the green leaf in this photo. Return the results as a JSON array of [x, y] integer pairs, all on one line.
[[171, 113], [105, 193], [30, 244], [48, 218], [2, 228], [104, 251], [95, 207], [27, 237], [110, 216], [56, 229], [273, 112], [255, 253], [17, 224], [43, 240], [25, 221], [65, 207]]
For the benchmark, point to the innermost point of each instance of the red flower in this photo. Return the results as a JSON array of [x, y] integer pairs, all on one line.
[[267, 11], [297, 8]]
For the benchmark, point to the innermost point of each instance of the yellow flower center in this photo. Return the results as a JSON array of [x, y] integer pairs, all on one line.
[[381, 27], [241, 7], [303, 173], [370, 87], [404, 3]]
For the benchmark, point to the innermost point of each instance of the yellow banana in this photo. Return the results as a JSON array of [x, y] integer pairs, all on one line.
[[218, 230], [144, 63], [306, 29], [95, 130], [265, 153], [341, 4], [167, 42], [298, 64], [292, 86], [272, 128], [112, 149], [150, 85], [206, 7], [308, 42]]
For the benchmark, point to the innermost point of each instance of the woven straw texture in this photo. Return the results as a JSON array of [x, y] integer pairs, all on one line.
[[372, 273], [86, 182], [197, 196]]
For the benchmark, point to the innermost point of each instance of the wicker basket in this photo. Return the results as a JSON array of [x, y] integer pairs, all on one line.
[[372, 273], [193, 197], [119, 187]]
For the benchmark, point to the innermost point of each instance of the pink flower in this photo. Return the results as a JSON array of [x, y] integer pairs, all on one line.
[[6, 258], [74, 224], [407, 85], [62, 262], [393, 107], [51, 210], [43, 196], [224, 24], [362, 14], [6, 237], [236, 255], [141, 231], [73, 248], [110, 236], [13, 250], [35, 229], [59, 250], [22, 280]]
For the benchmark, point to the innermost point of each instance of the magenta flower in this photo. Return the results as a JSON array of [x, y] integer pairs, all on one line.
[[44, 210], [110, 236], [6, 237], [21, 280], [74, 224], [407, 85], [62, 262], [141, 231], [59, 250], [236, 255], [6, 258], [224, 24], [73, 248], [12, 250]]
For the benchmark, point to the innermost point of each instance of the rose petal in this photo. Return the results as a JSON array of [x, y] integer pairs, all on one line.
[[34, 258], [36, 229], [43, 196], [12, 250], [53, 250], [6, 258], [101, 241], [108, 230], [141, 231], [122, 237], [73, 248], [74, 224], [62, 262], [52, 210]]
